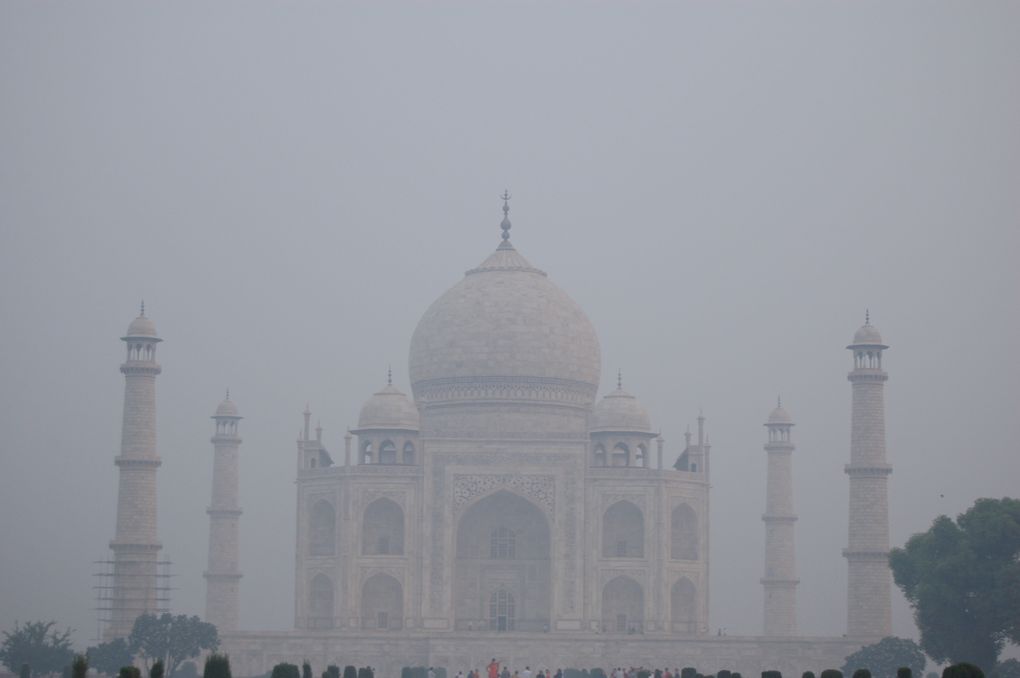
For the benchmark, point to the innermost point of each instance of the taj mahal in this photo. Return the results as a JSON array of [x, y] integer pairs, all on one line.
[[503, 509]]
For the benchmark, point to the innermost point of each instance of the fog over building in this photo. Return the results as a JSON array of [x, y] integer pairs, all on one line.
[[504, 509]]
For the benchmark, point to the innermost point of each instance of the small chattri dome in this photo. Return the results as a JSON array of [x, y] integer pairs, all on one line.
[[621, 412], [227, 408], [142, 327], [389, 408], [780, 416], [867, 335]]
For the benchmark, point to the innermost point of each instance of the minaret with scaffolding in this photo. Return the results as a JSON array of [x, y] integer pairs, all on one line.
[[134, 582], [223, 576]]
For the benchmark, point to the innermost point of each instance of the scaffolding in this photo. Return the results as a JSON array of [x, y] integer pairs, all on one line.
[[127, 592]]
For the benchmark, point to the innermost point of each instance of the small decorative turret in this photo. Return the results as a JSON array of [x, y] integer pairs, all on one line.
[[621, 430], [388, 427]]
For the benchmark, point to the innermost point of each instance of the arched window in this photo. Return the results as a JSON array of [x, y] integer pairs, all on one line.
[[320, 603], [683, 533], [366, 452], [382, 530], [621, 455], [387, 452], [409, 452], [501, 610], [683, 604], [503, 544], [623, 531], [600, 455], [623, 606], [322, 529], [382, 603], [642, 456]]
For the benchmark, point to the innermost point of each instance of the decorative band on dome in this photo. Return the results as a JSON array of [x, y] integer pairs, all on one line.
[[526, 389]]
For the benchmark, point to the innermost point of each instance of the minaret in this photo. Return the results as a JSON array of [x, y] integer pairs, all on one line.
[[134, 590], [869, 579], [780, 580], [222, 578]]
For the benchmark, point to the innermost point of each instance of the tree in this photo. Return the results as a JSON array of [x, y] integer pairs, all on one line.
[[960, 578], [885, 658], [217, 666], [156, 670], [171, 639], [286, 670], [79, 666], [109, 657], [37, 644]]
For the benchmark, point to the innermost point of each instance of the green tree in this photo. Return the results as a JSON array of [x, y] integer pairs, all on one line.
[[79, 666], [37, 644], [885, 658], [217, 666], [171, 639], [960, 578], [156, 670], [129, 672], [109, 657], [286, 670]]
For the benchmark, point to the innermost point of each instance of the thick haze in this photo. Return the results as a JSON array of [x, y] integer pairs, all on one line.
[[724, 189]]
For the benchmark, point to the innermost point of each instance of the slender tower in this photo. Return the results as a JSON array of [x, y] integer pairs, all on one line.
[[869, 579], [780, 580], [223, 577], [135, 546]]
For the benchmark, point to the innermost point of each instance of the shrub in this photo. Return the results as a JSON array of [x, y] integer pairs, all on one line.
[[862, 673], [963, 670], [688, 672], [129, 672], [904, 672], [156, 670], [350, 672], [216, 666], [306, 669], [80, 666], [771, 674], [831, 673], [808, 674], [286, 670]]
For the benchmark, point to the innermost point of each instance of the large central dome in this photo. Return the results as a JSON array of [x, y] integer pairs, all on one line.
[[505, 332]]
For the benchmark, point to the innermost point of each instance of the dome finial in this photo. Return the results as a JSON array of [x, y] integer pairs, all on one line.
[[619, 380], [505, 225], [228, 394], [867, 316], [142, 312], [779, 400], [389, 375]]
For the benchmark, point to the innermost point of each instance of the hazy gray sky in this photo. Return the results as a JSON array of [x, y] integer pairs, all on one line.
[[723, 187]]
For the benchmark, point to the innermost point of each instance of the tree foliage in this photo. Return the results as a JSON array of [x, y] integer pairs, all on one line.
[[171, 639], [109, 657], [216, 666], [37, 644], [884, 658], [286, 670], [961, 579]]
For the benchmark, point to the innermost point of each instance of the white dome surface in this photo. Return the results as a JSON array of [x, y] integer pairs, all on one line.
[[619, 411], [389, 408], [780, 416], [506, 325], [227, 408], [141, 327]]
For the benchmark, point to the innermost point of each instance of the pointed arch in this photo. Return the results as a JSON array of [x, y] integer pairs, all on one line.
[[683, 533], [409, 453], [621, 455], [599, 458], [683, 605], [623, 531], [322, 529], [382, 603], [503, 543], [382, 529], [387, 452], [623, 606], [321, 603]]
